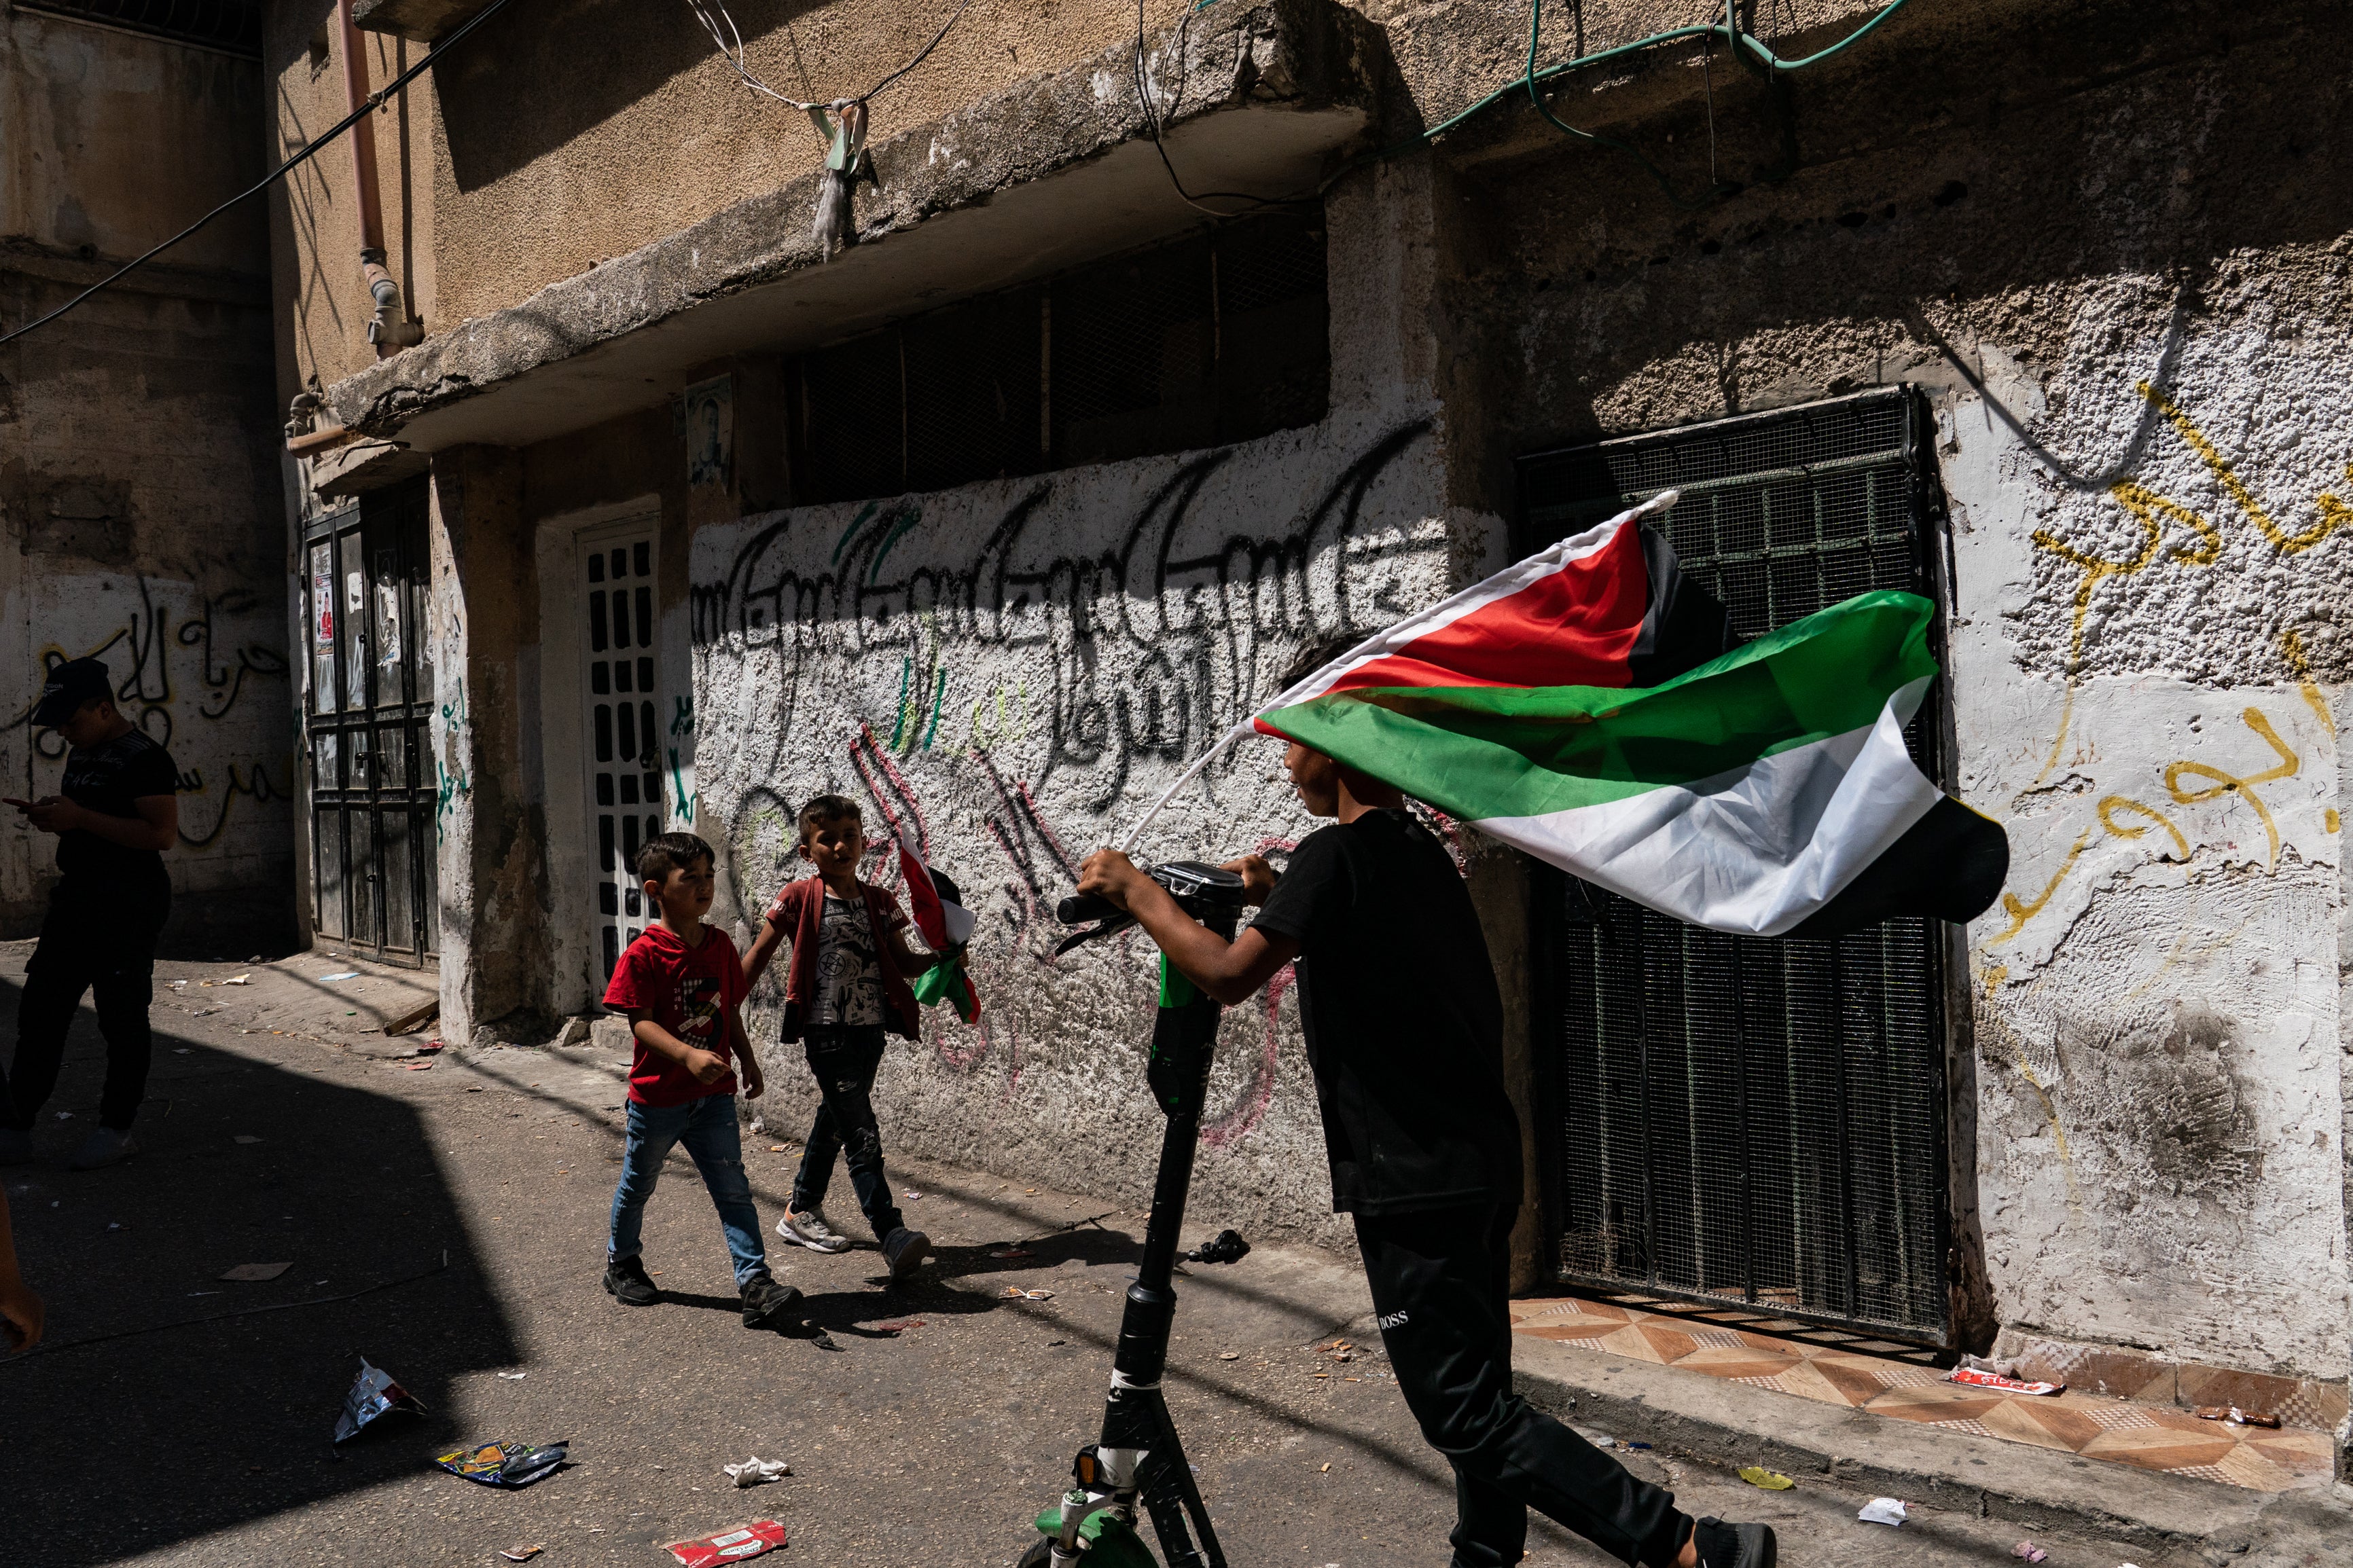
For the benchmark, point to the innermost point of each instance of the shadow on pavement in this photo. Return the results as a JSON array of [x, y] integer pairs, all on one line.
[[131, 1428]]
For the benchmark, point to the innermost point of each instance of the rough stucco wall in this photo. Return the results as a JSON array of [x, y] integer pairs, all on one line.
[[2158, 1070], [2158, 1033], [1017, 668], [140, 506]]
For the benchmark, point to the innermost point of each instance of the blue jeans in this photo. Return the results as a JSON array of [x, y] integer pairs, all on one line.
[[707, 1127]]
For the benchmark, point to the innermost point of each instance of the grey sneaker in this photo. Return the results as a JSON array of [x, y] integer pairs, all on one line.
[[107, 1146], [903, 1250], [809, 1227], [15, 1146]]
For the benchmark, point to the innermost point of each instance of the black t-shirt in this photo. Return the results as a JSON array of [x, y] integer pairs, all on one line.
[[107, 779], [1405, 1025]]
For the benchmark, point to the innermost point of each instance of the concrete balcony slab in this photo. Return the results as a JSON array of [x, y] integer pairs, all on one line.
[[1031, 182]]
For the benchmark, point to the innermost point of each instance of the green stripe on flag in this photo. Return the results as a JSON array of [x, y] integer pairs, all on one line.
[[1508, 751]]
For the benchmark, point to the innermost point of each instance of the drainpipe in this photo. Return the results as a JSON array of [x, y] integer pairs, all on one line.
[[391, 329]]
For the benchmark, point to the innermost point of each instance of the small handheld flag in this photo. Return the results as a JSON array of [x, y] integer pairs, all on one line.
[[946, 926]]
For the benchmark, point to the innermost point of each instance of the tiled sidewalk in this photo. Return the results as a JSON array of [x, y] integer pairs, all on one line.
[[2150, 1436]]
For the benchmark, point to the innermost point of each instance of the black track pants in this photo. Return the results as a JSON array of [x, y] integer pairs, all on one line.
[[1440, 1279], [104, 945]]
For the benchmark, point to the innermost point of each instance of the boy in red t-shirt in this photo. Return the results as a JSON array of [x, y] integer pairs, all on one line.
[[681, 985]]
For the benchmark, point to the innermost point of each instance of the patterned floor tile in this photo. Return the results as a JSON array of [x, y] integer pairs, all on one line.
[[1896, 1383]]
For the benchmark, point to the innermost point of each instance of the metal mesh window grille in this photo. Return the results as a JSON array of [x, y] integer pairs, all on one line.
[[1218, 337], [1744, 1120], [233, 25]]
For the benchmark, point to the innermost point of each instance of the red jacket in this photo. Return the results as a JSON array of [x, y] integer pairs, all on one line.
[[796, 911]]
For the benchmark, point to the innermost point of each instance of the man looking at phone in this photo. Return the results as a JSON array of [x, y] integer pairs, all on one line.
[[1404, 1026], [114, 814]]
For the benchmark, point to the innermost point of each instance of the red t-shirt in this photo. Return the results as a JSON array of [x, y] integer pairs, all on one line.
[[689, 991]]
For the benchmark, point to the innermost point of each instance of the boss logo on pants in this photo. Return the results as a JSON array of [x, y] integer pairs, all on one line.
[[1389, 1321]]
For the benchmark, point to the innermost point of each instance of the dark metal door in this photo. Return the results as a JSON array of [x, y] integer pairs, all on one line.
[[366, 726], [1750, 1121]]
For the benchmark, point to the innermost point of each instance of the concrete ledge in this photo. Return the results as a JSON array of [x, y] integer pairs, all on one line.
[[1730, 1424], [1034, 180]]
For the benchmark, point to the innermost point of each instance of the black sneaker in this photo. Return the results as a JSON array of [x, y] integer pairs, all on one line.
[[766, 1303], [1723, 1545], [626, 1283]]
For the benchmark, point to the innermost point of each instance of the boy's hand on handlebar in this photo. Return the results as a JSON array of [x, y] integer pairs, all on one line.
[[1110, 875], [1257, 878]]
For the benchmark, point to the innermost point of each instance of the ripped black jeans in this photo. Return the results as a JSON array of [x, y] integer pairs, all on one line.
[[844, 1058]]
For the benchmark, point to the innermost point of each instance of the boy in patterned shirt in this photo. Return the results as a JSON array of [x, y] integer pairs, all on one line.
[[846, 984], [681, 987]]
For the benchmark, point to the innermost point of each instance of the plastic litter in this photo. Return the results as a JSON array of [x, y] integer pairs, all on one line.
[[514, 1377], [1975, 1379], [912, 1194], [256, 1272], [2236, 1417], [1015, 1293], [1771, 1481], [1883, 1510], [503, 1464], [372, 1393], [762, 1535], [2026, 1550], [1013, 1252], [755, 1470], [518, 1553], [65, 1116], [343, 974], [417, 1067]]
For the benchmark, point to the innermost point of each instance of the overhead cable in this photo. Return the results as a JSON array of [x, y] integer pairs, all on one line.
[[373, 101], [713, 14]]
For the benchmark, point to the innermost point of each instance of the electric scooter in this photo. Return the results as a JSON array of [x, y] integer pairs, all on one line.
[[1139, 1458]]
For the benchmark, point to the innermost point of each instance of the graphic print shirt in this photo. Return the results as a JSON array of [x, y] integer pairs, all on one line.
[[848, 973], [107, 779], [689, 991]]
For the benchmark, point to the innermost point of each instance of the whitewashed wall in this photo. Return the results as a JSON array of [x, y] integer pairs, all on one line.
[[2148, 583]]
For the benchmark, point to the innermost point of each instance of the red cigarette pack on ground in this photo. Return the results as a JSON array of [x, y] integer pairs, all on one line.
[[1995, 1380], [728, 1545]]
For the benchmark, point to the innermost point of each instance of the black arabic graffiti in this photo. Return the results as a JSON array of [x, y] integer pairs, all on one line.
[[1193, 622]]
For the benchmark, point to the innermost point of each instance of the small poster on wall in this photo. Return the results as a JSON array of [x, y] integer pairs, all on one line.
[[707, 415]]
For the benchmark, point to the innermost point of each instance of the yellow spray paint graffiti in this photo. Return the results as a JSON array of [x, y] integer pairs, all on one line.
[[2225, 783]]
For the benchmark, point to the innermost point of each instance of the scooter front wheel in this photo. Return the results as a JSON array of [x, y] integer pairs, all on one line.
[[1118, 1548]]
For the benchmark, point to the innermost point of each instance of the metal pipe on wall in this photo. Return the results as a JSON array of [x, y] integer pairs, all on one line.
[[390, 328]]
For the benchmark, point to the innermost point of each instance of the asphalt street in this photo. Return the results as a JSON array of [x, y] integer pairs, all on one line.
[[924, 1426]]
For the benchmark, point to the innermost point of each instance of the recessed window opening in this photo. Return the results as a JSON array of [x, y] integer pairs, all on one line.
[[1218, 337]]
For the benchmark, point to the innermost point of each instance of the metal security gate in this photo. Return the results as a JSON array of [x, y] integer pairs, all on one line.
[[373, 777], [1750, 1121]]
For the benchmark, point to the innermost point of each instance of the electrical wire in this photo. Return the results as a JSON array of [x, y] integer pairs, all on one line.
[[1536, 96], [712, 13], [1139, 70], [376, 101], [1729, 29], [225, 1317]]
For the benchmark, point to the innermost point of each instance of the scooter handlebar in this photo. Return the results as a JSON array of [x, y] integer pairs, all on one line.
[[1079, 908]]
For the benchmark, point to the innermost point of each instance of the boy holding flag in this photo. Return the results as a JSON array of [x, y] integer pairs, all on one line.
[[848, 982]]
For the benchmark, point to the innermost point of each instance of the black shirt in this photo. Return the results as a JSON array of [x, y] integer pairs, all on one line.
[[1405, 1025], [107, 779]]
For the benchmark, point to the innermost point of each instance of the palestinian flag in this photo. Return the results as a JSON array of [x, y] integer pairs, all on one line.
[[1590, 707], [946, 926]]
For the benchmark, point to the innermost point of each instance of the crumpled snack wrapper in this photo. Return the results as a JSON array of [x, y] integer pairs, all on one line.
[[762, 1535], [1883, 1510], [372, 1393]]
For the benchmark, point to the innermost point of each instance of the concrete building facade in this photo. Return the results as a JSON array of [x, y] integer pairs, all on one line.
[[141, 496], [992, 520]]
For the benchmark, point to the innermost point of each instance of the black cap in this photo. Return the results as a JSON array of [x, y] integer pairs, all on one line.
[[69, 685]]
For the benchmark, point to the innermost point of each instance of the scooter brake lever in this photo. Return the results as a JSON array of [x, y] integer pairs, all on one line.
[[1078, 939]]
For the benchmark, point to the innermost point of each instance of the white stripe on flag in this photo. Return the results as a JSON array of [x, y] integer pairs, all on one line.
[[1753, 851]]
